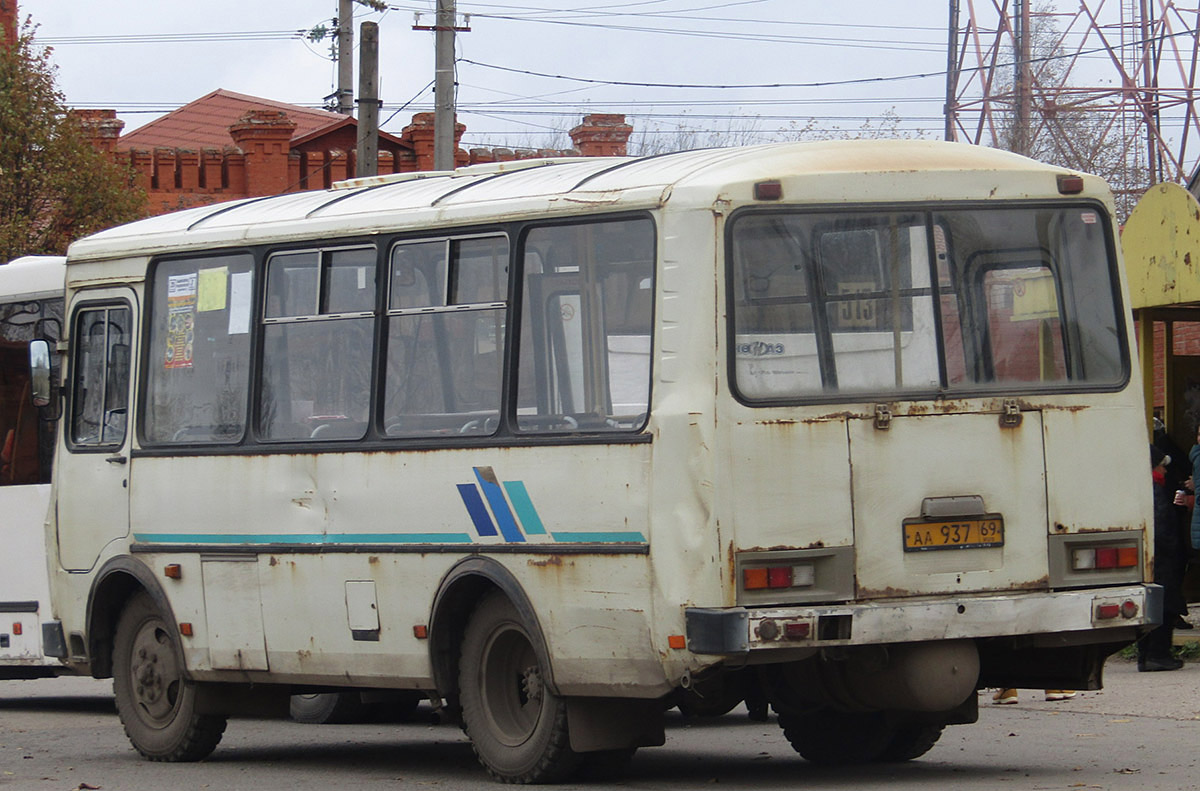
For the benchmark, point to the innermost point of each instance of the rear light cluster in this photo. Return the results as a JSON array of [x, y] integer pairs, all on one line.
[[769, 629], [778, 577], [1106, 611], [1104, 558]]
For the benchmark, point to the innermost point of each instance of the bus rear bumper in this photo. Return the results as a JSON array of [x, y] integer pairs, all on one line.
[[1098, 615]]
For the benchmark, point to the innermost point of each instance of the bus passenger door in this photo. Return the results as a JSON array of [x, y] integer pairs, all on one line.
[[94, 469]]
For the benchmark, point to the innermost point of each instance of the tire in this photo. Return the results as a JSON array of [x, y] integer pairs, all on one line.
[[517, 727], [911, 741], [155, 699], [327, 708], [835, 737]]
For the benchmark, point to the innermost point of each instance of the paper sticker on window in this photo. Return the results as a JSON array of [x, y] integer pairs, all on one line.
[[240, 287], [1089, 218], [212, 288], [181, 320]]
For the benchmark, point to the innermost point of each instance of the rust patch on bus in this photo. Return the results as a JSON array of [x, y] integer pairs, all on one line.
[[1029, 406], [552, 560], [273, 561], [847, 415], [783, 547], [1041, 583]]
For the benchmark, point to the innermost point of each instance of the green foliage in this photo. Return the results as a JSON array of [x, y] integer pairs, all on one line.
[[54, 185], [1188, 651]]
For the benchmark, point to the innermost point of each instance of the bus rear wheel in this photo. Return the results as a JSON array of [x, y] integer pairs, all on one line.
[[911, 741], [155, 700], [837, 737], [517, 726]]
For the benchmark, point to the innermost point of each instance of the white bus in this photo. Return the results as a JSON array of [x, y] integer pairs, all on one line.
[[851, 426], [31, 306]]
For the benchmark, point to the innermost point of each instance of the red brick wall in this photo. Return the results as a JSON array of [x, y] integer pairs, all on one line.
[[8, 21], [260, 161]]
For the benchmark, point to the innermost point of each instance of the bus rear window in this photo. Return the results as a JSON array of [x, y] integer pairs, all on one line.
[[857, 304]]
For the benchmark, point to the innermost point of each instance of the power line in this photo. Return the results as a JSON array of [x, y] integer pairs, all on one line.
[[177, 38], [1191, 32], [705, 86]]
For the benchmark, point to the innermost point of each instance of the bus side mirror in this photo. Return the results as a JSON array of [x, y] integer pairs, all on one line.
[[39, 373]]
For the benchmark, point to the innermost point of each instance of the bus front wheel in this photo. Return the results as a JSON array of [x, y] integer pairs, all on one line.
[[155, 700], [517, 726]]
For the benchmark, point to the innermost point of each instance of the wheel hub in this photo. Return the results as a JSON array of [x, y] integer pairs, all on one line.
[[531, 685], [155, 674]]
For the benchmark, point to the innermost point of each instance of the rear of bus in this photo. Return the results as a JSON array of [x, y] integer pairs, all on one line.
[[934, 446]]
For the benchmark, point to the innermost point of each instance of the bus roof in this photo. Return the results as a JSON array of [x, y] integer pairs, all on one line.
[[32, 277], [569, 185]]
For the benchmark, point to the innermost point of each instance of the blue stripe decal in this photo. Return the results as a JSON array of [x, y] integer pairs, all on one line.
[[479, 514], [495, 497], [521, 503], [303, 538], [631, 537]]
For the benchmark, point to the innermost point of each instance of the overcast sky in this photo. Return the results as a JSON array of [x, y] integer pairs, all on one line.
[[144, 57], [531, 68]]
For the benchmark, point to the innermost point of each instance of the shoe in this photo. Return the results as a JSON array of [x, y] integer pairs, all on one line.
[[1005, 696], [1060, 694], [1153, 665], [1182, 623]]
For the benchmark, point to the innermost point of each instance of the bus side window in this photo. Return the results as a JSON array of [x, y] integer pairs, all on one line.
[[445, 337], [586, 327], [101, 377], [198, 366], [318, 342]]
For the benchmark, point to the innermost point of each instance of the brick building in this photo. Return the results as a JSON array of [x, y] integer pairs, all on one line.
[[8, 21], [227, 145]]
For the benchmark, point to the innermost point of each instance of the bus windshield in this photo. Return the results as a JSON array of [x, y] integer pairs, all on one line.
[[924, 304]]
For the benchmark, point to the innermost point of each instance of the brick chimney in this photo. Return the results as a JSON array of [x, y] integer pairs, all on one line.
[[264, 136], [420, 132], [8, 20], [102, 127], [602, 135]]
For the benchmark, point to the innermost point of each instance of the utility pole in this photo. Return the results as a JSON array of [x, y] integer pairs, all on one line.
[[443, 87], [1022, 79], [345, 57], [952, 72], [367, 159], [444, 28]]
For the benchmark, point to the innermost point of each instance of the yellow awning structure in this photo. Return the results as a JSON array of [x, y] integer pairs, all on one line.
[[1161, 244], [1161, 247]]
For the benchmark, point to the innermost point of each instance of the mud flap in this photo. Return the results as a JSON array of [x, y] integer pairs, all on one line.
[[615, 723]]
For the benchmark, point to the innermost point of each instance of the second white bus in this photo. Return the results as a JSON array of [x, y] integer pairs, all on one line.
[[31, 306]]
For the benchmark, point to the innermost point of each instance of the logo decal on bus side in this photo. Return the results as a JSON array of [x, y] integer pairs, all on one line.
[[508, 511]]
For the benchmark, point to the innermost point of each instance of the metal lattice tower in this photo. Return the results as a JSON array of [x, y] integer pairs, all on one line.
[[1107, 86]]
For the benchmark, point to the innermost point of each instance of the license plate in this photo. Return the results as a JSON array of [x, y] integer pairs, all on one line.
[[983, 531]]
